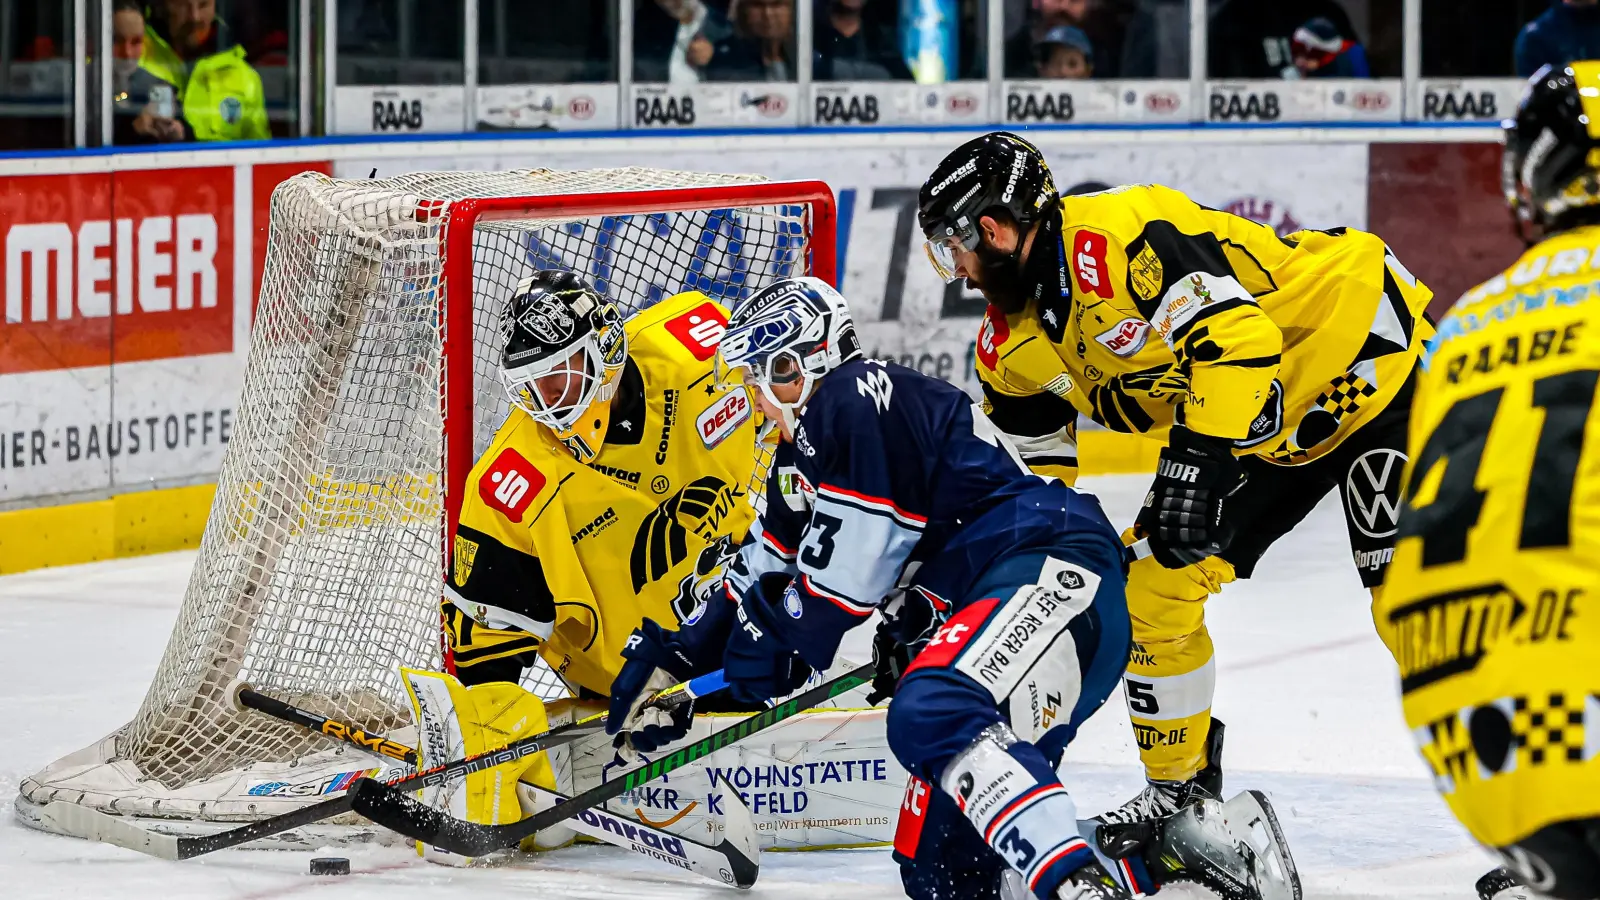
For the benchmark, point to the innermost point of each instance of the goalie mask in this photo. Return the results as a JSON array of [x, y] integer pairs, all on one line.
[[793, 331], [562, 356]]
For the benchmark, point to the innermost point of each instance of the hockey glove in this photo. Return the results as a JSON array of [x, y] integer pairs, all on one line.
[[891, 658], [757, 666], [652, 663], [1185, 513]]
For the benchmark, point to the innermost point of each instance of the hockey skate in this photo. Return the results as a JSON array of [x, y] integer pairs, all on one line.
[[1234, 849], [1500, 884], [1163, 798]]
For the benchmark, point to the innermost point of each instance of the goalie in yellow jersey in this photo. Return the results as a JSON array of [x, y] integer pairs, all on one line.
[[1490, 606], [613, 493], [1274, 369]]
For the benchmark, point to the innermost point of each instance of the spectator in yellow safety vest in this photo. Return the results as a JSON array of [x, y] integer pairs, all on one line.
[[221, 94]]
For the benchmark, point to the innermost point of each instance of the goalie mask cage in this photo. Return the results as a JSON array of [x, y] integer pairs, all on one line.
[[371, 387]]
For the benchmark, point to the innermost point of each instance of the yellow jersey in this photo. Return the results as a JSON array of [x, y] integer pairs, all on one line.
[[1489, 602], [572, 557], [1154, 310]]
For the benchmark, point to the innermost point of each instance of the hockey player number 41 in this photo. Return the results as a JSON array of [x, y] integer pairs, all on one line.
[[1458, 443]]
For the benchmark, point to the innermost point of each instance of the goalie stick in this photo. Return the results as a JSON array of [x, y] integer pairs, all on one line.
[[70, 818], [388, 806], [734, 860]]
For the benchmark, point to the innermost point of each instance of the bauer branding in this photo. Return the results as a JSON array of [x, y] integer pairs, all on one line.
[[723, 418]]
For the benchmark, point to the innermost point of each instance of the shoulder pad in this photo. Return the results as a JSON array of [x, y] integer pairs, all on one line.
[[685, 326], [1014, 356]]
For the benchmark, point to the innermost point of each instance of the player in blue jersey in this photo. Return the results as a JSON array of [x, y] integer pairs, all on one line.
[[1004, 622]]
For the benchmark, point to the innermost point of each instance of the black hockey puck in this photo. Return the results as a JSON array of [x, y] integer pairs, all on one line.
[[330, 865]]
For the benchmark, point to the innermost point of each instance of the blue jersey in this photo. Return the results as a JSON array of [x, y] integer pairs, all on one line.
[[894, 479]]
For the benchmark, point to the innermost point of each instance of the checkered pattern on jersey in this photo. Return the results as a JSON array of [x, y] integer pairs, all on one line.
[[1345, 394], [1549, 727]]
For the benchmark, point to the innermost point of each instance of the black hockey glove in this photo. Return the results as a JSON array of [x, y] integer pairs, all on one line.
[[1185, 514], [891, 657]]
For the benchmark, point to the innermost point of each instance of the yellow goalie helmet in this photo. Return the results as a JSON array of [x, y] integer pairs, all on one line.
[[562, 353]]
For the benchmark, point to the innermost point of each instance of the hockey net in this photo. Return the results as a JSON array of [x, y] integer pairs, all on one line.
[[370, 390]]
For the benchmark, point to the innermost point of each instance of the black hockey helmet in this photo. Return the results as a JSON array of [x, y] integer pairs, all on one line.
[[1551, 168], [997, 171], [562, 351]]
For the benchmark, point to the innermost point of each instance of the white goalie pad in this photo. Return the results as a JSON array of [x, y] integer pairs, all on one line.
[[822, 779]]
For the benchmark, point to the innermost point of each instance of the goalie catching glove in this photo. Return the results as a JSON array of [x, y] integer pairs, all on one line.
[[1185, 513]]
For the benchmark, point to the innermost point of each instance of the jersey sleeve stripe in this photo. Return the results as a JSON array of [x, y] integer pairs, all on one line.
[[1074, 845], [1259, 362], [870, 504], [1020, 805], [776, 548], [860, 610]]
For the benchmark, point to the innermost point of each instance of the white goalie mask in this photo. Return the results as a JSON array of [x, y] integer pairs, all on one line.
[[792, 331], [562, 357]]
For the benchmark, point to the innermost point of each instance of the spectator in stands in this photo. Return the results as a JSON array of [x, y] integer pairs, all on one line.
[[1569, 30], [1319, 51], [1064, 52], [849, 48], [222, 96], [145, 107], [761, 47], [674, 39], [1255, 38], [1121, 35]]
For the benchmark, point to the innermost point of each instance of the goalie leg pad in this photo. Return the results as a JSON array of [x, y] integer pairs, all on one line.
[[454, 721]]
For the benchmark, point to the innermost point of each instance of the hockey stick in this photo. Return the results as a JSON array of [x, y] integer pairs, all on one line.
[[734, 860], [388, 806], [70, 818]]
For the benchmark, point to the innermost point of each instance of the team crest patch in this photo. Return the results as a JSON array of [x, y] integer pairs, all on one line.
[[466, 553], [510, 484], [723, 418], [700, 329], [1145, 273]]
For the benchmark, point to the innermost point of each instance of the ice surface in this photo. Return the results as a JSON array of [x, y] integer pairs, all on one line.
[[1307, 691]]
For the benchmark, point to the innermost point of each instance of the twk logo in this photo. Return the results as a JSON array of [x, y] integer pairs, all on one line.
[[1372, 492], [1178, 471], [876, 384]]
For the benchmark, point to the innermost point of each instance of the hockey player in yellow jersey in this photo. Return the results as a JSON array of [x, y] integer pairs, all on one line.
[[1489, 607], [1273, 369], [612, 494]]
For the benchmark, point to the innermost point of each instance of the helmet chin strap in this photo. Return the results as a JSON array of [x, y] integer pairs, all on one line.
[[790, 412]]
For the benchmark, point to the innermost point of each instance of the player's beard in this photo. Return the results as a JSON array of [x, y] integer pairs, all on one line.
[[1000, 278]]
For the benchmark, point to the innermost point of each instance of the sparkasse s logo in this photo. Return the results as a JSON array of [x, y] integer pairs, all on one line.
[[91, 275], [700, 329], [510, 484]]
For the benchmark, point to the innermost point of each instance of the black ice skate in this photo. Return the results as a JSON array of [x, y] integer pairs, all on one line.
[[1163, 798], [1235, 849], [1500, 884]]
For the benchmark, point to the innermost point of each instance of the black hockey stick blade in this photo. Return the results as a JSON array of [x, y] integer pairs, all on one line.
[[388, 806], [98, 826]]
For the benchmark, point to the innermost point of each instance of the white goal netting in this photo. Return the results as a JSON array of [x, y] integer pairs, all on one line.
[[320, 569]]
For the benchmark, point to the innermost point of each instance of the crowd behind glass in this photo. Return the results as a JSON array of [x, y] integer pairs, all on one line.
[[221, 70]]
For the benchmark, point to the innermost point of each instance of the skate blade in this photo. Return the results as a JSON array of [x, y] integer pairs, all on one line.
[[1251, 821]]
